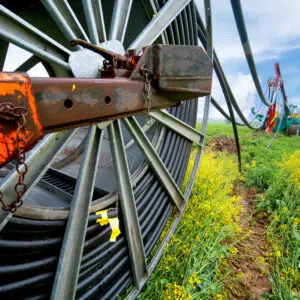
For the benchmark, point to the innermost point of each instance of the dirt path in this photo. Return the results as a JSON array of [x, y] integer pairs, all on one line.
[[249, 266], [250, 263]]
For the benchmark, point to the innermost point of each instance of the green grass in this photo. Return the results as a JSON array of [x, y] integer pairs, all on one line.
[[281, 203], [276, 172], [190, 266], [254, 143], [259, 163]]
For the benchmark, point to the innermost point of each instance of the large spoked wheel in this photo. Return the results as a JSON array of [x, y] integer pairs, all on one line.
[[135, 164]]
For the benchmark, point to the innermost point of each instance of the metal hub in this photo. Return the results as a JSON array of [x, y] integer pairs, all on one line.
[[86, 63]]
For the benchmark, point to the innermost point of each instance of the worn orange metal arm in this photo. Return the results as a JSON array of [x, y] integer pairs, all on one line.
[[164, 74]]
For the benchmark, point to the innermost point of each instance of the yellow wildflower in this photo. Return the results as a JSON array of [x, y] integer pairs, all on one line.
[[233, 250]]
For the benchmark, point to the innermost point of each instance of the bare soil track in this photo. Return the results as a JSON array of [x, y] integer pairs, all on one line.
[[223, 144], [250, 264]]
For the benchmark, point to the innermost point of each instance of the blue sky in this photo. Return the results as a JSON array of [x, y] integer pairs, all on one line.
[[274, 36]]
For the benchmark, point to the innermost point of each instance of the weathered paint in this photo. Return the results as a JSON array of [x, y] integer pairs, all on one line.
[[177, 73], [16, 88]]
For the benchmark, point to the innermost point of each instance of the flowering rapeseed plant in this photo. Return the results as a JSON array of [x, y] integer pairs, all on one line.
[[292, 166], [282, 202], [189, 264]]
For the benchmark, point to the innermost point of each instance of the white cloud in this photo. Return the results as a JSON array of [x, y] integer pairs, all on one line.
[[243, 90], [294, 100], [272, 26], [273, 29]]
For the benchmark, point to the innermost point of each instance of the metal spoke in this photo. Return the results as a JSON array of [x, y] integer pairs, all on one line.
[[28, 64], [145, 128], [73, 243], [3, 51], [181, 26], [120, 18], [104, 124], [19, 32], [158, 24], [153, 7], [155, 161], [186, 25], [209, 50], [132, 226], [65, 18], [39, 161], [178, 126], [95, 20]]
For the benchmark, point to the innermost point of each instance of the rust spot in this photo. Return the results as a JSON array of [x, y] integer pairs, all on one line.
[[16, 88]]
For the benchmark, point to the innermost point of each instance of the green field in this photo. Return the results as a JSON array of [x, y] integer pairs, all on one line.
[[212, 238]]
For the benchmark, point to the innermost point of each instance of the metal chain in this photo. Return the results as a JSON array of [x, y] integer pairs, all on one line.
[[10, 112], [147, 88]]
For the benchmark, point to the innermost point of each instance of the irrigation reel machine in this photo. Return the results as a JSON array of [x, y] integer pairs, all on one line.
[[280, 116], [93, 156]]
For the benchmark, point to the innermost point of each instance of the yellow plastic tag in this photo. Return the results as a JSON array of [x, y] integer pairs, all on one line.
[[104, 218], [115, 228], [113, 222]]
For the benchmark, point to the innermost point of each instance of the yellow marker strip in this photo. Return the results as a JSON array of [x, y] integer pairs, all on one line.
[[113, 222], [104, 218], [115, 229], [73, 87]]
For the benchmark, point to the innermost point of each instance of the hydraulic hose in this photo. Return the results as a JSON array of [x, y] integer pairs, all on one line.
[[225, 90], [239, 20], [221, 76]]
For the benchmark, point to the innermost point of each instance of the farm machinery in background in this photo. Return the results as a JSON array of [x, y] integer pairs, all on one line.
[[280, 116]]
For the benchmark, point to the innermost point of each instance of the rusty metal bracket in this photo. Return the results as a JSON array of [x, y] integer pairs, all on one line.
[[177, 73]]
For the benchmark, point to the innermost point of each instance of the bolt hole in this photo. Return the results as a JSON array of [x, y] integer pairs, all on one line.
[[68, 103], [107, 100]]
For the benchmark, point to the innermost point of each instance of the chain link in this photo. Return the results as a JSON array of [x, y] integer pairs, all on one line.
[[10, 112]]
